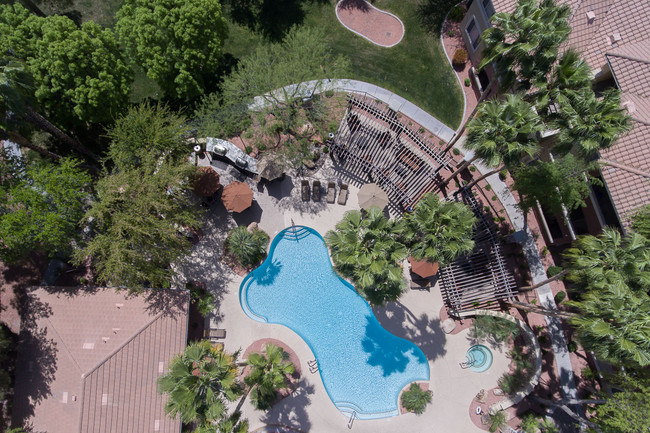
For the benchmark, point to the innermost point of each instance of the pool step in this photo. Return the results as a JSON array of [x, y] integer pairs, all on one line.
[[295, 233]]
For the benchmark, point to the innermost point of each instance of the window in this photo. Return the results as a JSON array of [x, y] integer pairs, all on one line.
[[488, 7], [473, 33]]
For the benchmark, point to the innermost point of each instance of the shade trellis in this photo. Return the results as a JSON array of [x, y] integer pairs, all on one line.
[[481, 279], [373, 143]]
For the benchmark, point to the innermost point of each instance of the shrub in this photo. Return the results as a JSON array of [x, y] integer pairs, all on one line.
[[529, 423], [460, 57], [455, 151], [587, 374], [467, 82], [510, 383], [544, 251], [494, 327], [503, 174], [451, 33], [497, 420], [202, 298], [248, 149], [488, 187], [559, 297], [472, 168], [329, 93], [326, 149], [553, 271], [415, 399], [572, 346], [248, 248], [494, 198], [457, 13]]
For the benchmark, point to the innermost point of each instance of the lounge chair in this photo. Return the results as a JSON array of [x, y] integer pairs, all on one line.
[[343, 195], [215, 333], [331, 192], [305, 190], [315, 192]]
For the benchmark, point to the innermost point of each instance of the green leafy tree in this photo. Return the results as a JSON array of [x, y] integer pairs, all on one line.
[[626, 411], [178, 43], [439, 231], [146, 133], [525, 43], [563, 182], [40, 206], [269, 372], [200, 382], [641, 221], [248, 247], [589, 124], [78, 72], [8, 344], [415, 399], [136, 220], [365, 248], [501, 134]]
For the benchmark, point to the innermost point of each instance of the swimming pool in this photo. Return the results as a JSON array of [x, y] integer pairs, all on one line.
[[363, 366]]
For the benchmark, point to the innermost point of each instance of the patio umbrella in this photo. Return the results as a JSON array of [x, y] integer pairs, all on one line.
[[270, 167], [372, 195], [207, 183], [423, 268], [237, 196]]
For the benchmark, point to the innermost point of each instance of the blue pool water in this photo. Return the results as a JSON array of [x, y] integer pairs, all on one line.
[[480, 358], [362, 365]]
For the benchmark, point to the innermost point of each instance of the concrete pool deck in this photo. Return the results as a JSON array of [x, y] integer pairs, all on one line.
[[415, 317]]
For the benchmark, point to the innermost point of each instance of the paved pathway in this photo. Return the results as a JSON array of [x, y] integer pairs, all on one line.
[[524, 236]]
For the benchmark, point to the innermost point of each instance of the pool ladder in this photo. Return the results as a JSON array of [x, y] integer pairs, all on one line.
[[352, 417]]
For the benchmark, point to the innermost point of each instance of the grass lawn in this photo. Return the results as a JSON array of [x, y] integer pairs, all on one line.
[[415, 69]]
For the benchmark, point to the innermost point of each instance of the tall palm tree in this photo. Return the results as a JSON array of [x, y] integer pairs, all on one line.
[[269, 373], [502, 133], [439, 231], [524, 44], [365, 248], [199, 383], [571, 72], [589, 124], [16, 98]]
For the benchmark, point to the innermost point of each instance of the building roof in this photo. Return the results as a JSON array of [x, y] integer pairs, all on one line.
[[89, 361]]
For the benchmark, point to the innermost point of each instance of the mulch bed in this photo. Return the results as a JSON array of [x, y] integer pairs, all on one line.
[[378, 26]]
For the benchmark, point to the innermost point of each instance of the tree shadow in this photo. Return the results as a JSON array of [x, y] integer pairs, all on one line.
[[171, 303], [266, 275], [423, 331], [292, 411], [37, 359], [272, 18], [431, 14], [360, 5]]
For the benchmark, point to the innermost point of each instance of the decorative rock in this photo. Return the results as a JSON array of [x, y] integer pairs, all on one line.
[[481, 397], [309, 164], [252, 227], [448, 325], [498, 392]]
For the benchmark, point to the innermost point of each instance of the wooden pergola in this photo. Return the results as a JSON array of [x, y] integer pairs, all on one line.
[[374, 144], [481, 279]]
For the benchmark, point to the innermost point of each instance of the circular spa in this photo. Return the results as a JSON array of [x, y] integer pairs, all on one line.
[[363, 366], [479, 358]]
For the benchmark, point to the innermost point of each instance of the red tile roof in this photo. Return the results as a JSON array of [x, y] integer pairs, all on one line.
[[90, 361]]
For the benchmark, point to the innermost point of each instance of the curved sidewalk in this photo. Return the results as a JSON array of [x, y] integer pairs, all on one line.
[[395, 102]]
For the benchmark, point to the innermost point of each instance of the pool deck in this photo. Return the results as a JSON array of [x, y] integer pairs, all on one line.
[[415, 317]]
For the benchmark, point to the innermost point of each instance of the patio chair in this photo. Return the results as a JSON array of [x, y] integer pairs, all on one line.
[[343, 194], [305, 190], [331, 192], [315, 192], [215, 333]]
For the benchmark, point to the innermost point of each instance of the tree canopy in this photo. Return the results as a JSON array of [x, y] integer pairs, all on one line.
[[78, 72], [365, 248], [626, 410], [41, 205], [439, 231], [553, 184], [641, 221], [268, 373], [178, 43]]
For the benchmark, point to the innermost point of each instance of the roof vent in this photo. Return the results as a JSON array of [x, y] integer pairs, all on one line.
[[156, 425], [630, 106], [616, 37], [591, 16], [119, 306], [115, 330], [161, 367], [74, 398], [104, 399], [89, 346], [105, 339], [64, 397]]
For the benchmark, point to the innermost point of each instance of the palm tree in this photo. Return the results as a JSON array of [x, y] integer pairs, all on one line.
[[247, 247], [15, 97], [365, 248], [199, 383], [269, 372], [502, 133], [525, 43], [439, 231], [571, 72], [415, 399], [590, 124]]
